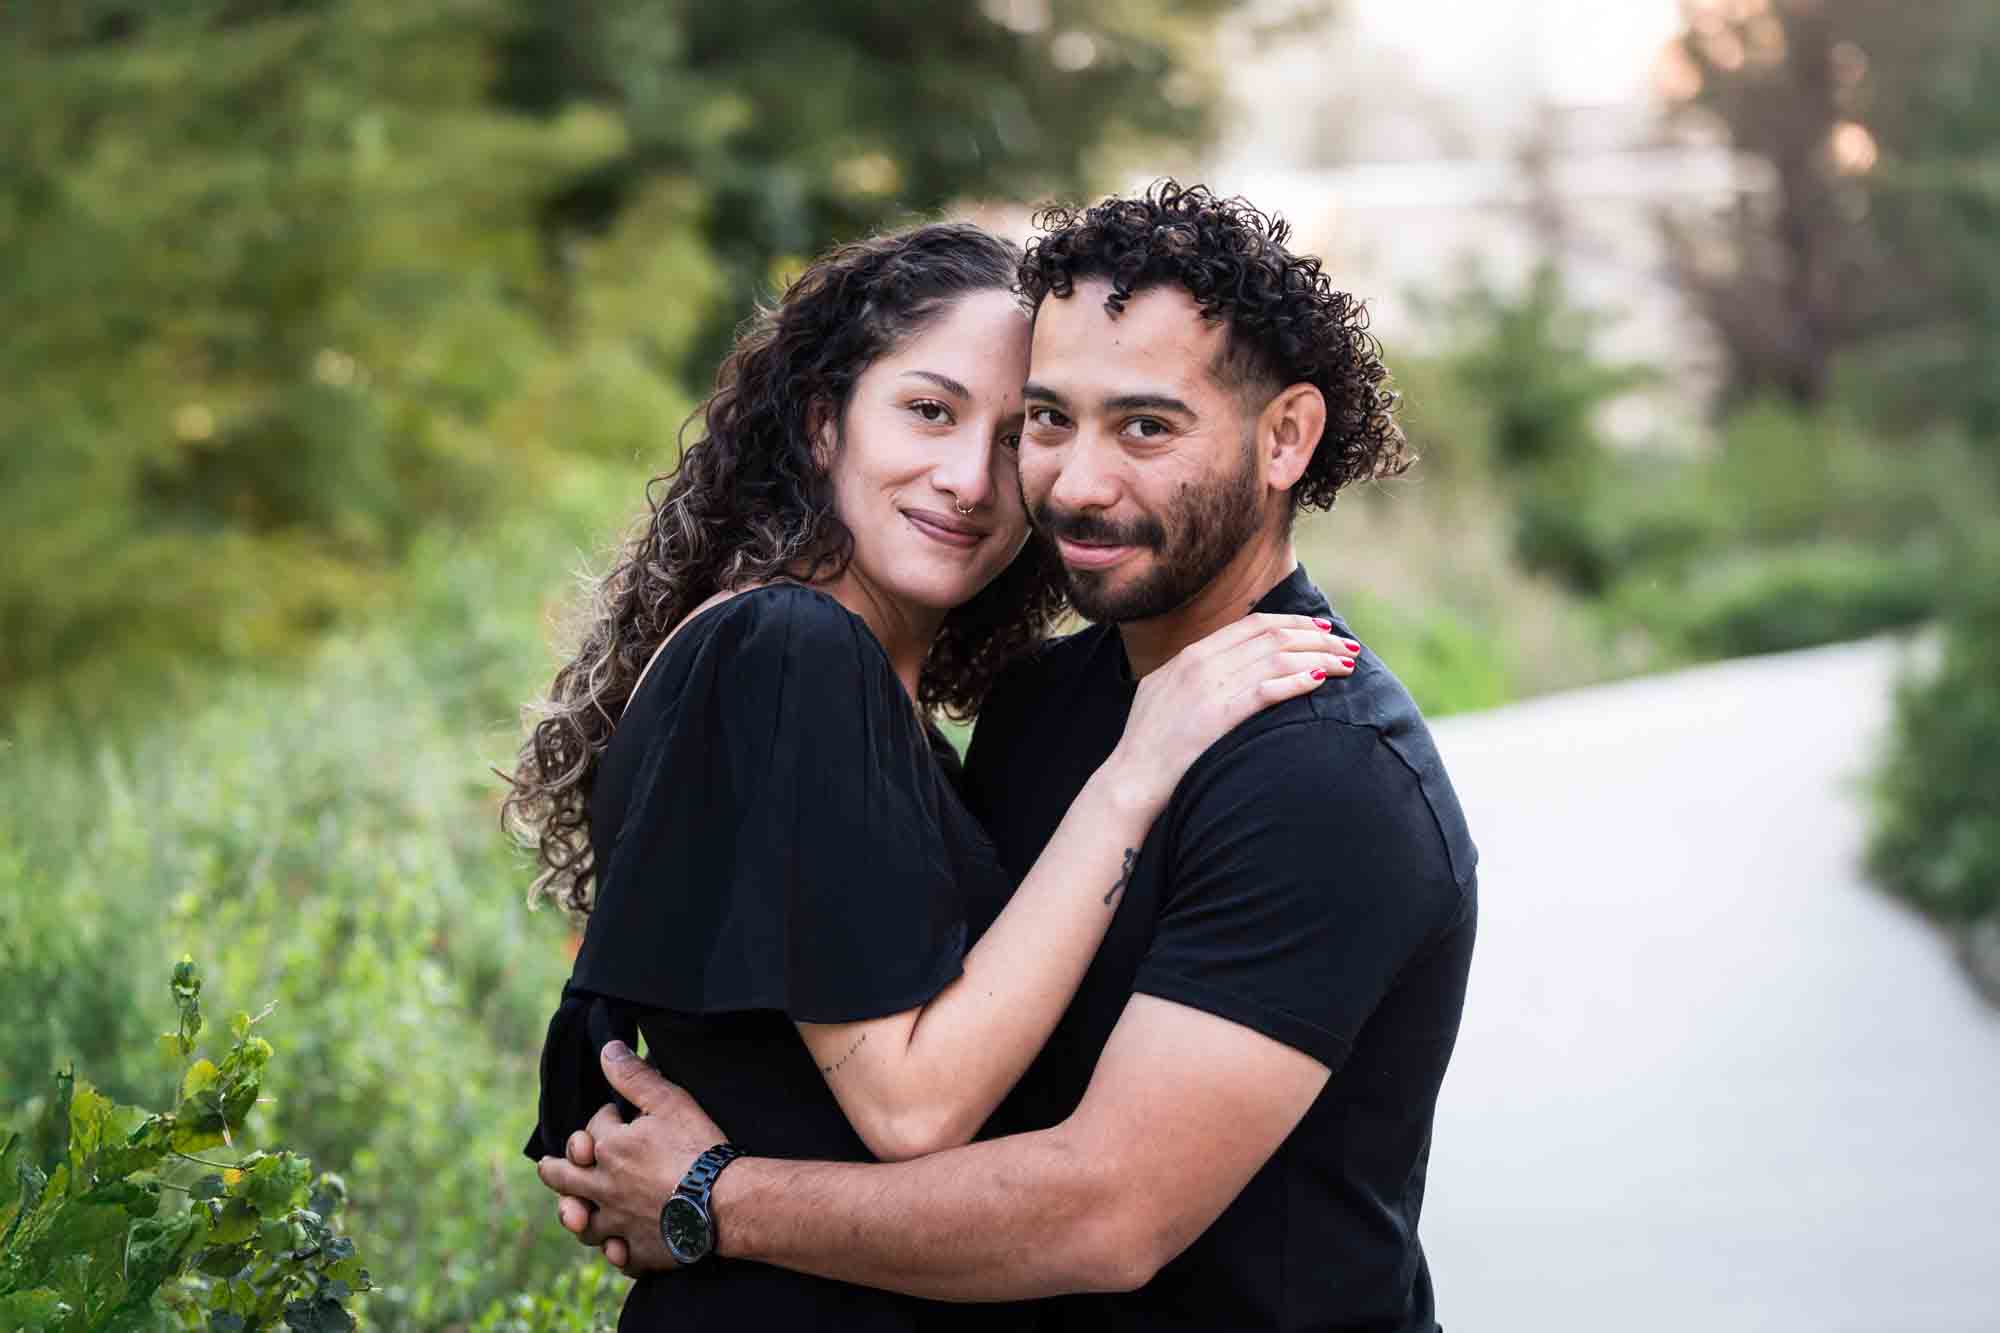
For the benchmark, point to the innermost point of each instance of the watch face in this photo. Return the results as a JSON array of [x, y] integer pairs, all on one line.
[[684, 1226]]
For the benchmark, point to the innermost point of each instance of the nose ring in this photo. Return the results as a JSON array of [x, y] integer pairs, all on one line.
[[962, 509]]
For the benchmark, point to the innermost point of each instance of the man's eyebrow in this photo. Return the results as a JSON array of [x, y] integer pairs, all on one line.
[[1042, 393], [1147, 402], [945, 382]]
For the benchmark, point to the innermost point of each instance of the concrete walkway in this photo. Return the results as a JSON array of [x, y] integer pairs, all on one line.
[[1708, 1079]]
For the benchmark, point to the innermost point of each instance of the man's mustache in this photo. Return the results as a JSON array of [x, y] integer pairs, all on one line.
[[1099, 531]]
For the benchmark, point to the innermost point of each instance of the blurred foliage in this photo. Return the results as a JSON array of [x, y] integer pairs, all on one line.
[[1448, 663], [135, 1222], [1795, 597], [582, 1300], [1527, 359], [288, 306], [1798, 526], [326, 837], [1936, 839], [308, 278], [1872, 244], [809, 122], [1936, 208]]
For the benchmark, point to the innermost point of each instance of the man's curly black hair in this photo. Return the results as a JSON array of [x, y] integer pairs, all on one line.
[[1287, 325]]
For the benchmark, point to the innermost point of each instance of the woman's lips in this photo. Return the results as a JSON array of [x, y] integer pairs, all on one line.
[[950, 532], [1082, 555]]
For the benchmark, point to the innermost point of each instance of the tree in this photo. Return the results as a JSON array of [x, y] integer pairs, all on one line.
[[297, 280], [1881, 148], [809, 123]]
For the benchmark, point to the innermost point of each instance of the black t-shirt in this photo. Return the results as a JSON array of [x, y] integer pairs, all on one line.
[[778, 840], [1311, 879]]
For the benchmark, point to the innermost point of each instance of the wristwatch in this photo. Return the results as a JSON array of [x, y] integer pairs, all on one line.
[[686, 1225]]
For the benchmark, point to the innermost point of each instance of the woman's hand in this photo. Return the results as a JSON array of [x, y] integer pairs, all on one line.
[[1203, 691]]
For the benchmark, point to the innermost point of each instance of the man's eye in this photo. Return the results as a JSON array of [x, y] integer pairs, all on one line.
[[931, 410], [1146, 428], [1047, 418]]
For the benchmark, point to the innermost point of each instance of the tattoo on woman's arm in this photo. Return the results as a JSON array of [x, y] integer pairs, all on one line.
[[1124, 876], [835, 1066]]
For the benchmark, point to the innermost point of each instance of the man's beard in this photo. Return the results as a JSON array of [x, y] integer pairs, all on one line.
[[1205, 529]]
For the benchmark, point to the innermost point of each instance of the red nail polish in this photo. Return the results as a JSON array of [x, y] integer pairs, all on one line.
[[1352, 646], [1319, 674], [1326, 625], [1347, 662]]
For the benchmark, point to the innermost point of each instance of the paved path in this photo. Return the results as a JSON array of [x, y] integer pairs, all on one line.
[[1708, 1080]]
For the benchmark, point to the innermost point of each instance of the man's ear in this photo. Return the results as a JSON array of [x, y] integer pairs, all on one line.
[[1288, 432]]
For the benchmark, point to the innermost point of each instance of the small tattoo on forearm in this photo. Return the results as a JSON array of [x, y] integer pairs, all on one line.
[[1124, 876], [835, 1066]]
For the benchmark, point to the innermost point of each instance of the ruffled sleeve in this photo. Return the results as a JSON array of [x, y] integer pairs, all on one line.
[[781, 843]]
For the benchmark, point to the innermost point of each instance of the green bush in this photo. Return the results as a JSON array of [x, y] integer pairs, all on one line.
[[583, 1300], [1767, 602], [136, 1223], [1448, 664], [1936, 836], [327, 837]]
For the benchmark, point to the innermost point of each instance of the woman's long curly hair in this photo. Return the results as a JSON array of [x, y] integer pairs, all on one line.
[[748, 504], [1287, 322]]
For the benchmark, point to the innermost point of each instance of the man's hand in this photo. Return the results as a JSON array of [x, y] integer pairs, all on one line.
[[616, 1176]]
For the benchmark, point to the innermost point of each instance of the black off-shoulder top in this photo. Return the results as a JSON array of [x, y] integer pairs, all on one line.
[[778, 839]]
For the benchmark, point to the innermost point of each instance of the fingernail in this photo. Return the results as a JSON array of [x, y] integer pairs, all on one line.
[[617, 1051], [1319, 673], [1326, 625], [1347, 662], [1352, 646]]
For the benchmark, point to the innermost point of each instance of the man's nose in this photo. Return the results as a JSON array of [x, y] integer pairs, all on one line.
[[1086, 479]]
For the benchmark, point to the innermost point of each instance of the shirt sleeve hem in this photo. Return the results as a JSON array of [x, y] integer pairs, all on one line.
[[1277, 1024]]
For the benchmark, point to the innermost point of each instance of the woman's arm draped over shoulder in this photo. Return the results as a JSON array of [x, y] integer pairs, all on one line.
[[927, 1078]]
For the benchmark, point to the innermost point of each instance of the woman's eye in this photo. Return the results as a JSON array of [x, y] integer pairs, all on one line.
[[1011, 441], [931, 410]]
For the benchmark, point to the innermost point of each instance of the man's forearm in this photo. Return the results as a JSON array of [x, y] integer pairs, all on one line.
[[1012, 1218]]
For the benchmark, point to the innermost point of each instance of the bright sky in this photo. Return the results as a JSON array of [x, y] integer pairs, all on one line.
[[1586, 50]]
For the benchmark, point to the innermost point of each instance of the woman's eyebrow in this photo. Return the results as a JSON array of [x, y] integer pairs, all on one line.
[[945, 382]]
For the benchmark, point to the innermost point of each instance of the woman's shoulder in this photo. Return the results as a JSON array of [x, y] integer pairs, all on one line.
[[754, 645], [792, 630]]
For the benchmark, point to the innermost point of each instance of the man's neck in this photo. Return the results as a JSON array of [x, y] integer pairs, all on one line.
[[1230, 595]]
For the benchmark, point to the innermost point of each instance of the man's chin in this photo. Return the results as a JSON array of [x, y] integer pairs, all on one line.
[[1118, 597]]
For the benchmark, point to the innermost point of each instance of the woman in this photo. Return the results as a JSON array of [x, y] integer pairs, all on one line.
[[737, 780]]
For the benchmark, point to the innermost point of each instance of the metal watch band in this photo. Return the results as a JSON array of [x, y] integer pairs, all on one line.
[[700, 1178]]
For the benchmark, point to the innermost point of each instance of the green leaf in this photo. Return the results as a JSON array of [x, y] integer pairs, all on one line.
[[32, 1184], [201, 1075], [173, 1048], [328, 1193], [90, 1125], [277, 1184], [318, 1315], [156, 1250], [224, 1260], [209, 1186], [37, 1309], [236, 1223], [140, 1199]]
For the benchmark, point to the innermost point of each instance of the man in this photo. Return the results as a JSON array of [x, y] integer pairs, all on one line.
[[1230, 1127]]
